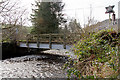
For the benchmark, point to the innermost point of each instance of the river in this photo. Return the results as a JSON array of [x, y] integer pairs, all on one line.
[[34, 66]]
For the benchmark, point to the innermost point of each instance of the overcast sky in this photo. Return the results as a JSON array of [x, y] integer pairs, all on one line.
[[80, 9]]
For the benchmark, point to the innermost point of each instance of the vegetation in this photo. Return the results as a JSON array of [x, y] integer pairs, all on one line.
[[12, 19], [47, 17], [97, 52], [14, 32], [74, 26], [97, 56]]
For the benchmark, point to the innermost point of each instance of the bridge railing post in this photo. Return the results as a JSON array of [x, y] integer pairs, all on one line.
[[64, 43], [38, 42], [27, 41], [50, 41]]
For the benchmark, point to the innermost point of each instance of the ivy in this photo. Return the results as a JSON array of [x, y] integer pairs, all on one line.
[[103, 45]]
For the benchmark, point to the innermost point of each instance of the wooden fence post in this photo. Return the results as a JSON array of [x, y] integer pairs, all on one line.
[[50, 41]]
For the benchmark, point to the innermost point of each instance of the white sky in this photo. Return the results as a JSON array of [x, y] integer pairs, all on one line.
[[80, 9]]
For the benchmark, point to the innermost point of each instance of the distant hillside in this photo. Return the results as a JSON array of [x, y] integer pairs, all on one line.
[[101, 25]]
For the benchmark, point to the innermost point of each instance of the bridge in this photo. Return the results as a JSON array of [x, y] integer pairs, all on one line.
[[49, 41], [30, 44], [36, 44], [44, 41]]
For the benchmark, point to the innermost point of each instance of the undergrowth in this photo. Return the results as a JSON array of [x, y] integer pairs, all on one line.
[[97, 56]]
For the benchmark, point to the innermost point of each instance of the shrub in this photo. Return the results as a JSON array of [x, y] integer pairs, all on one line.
[[95, 55]]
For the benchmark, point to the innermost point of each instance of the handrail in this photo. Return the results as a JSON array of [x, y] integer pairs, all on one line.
[[52, 38]]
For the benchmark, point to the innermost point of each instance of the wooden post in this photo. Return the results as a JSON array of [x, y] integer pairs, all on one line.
[[109, 20], [18, 43], [27, 42], [64, 44], [50, 41], [38, 43]]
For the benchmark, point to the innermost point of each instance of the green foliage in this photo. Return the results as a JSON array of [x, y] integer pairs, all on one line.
[[47, 17], [103, 45], [99, 44], [74, 26]]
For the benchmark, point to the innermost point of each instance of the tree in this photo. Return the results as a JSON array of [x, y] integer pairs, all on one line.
[[91, 21], [12, 18], [11, 13], [47, 17], [74, 26]]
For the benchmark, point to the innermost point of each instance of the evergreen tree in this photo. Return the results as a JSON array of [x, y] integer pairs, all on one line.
[[47, 17], [75, 26]]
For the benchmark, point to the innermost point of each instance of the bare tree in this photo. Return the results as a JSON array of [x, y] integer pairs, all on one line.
[[91, 21], [12, 17], [11, 13]]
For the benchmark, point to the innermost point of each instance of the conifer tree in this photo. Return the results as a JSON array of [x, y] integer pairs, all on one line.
[[47, 17]]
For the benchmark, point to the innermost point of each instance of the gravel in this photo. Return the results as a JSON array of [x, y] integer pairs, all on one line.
[[38, 66], [62, 52]]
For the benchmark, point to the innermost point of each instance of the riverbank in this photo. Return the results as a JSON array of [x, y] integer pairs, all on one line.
[[35, 66]]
